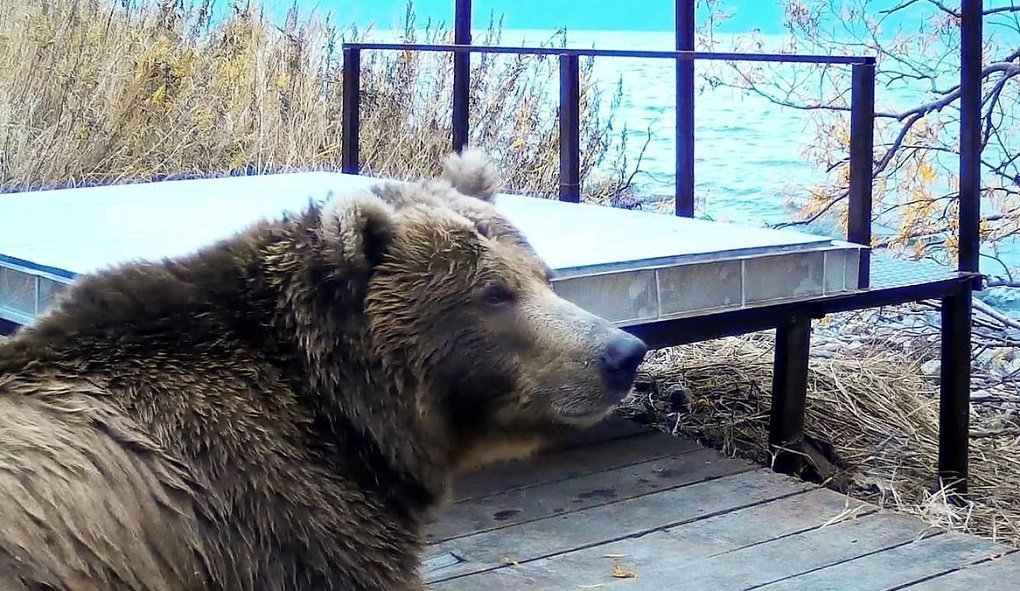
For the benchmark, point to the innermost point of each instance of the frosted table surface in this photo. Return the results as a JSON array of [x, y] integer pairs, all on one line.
[[72, 231]]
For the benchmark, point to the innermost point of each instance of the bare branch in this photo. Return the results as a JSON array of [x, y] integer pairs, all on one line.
[[956, 13], [990, 311], [1001, 9], [1000, 282], [915, 144], [816, 216]]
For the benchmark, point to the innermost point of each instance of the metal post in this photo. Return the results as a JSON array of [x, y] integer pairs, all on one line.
[[8, 328], [351, 122], [684, 204], [970, 134], [862, 133], [789, 391], [954, 395], [570, 128], [461, 74]]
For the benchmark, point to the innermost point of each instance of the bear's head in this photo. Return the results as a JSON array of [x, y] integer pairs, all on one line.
[[462, 311]]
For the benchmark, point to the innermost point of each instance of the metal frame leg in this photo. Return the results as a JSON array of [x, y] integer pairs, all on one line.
[[8, 328], [954, 389], [789, 392]]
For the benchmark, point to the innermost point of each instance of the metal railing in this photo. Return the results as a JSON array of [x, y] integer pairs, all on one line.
[[862, 117]]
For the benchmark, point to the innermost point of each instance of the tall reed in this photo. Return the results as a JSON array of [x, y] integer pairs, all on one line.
[[103, 91]]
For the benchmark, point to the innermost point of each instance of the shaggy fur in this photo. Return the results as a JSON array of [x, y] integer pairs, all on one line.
[[284, 409]]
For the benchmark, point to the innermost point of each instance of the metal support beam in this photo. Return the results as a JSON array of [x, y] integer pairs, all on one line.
[[672, 55], [862, 154], [684, 205], [461, 74], [954, 395], [970, 134], [789, 392], [570, 128], [7, 328], [350, 126]]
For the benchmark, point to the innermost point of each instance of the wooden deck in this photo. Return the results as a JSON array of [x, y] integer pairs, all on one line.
[[631, 501]]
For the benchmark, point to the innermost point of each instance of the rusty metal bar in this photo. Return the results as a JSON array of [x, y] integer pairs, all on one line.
[[684, 203], [789, 391], [954, 389], [570, 128], [350, 125], [970, 135], [626, 53], [862, 134], [461, 75]]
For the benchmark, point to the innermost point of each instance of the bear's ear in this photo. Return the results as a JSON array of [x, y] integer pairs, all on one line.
[[359, 226], [471, 173]]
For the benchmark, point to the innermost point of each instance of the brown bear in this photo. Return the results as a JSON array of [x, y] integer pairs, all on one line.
[[285, 408]]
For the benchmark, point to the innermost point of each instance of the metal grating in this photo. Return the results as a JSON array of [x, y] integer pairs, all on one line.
[[629, 266], [689, 289], [888, 272]]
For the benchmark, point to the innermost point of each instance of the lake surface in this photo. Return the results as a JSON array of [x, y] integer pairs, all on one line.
[[750, 165]]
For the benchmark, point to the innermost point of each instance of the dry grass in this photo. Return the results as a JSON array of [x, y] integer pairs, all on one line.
[[871, 412], [107, 91]]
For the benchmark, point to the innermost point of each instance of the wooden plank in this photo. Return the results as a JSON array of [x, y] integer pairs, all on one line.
[[610, 429], [780, 558], [567, 496], [1001, 574], [677, 547], [742, 569], [569, 463], [897, 566], [709, 494]]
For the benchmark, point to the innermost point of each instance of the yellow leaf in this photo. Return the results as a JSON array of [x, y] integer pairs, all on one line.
[[238, 160], [926, 173], [160, 94], [622, 573]]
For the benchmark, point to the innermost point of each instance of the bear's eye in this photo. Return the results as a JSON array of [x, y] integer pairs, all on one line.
[[497, 296]]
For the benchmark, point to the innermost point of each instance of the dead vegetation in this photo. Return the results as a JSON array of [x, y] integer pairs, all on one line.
[[872, 413], [110, 91]]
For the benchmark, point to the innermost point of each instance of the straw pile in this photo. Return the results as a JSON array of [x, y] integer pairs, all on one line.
[[872, 412]]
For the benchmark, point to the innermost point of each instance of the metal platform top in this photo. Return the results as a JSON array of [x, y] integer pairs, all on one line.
[[73, 231], [630, 266], [82, 230]]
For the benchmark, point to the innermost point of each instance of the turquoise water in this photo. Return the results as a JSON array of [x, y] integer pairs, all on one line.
[[749, 152]]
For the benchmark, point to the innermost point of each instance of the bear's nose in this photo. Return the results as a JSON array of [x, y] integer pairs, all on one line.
[[621, 359]]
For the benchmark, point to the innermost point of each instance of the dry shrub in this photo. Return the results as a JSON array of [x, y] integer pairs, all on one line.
[[106, 91], [870, 411]]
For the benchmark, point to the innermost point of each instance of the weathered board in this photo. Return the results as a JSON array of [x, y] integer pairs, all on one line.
[[567, 496], [598, 515], [714, 489], [570, 463], [900, 565], [1001, 574]]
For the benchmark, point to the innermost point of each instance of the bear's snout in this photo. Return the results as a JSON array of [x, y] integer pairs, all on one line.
[[620, 360]]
